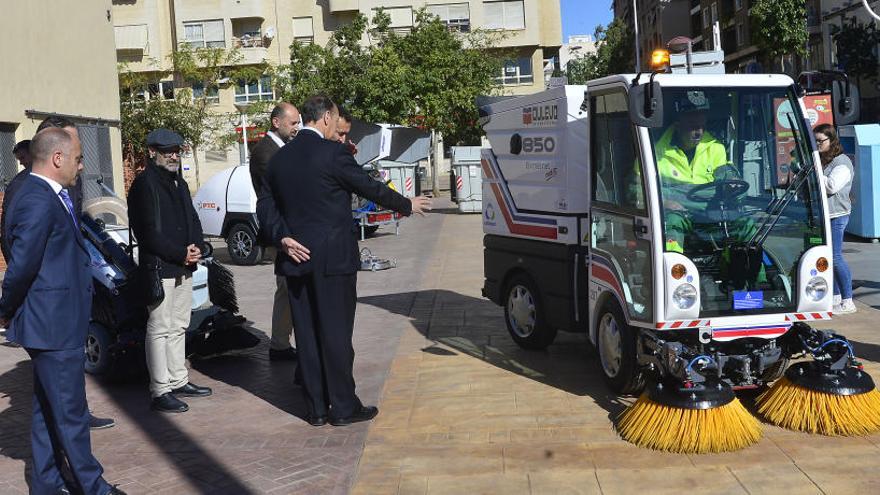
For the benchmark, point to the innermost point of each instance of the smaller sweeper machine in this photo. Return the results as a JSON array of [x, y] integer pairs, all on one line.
[[679, 220]]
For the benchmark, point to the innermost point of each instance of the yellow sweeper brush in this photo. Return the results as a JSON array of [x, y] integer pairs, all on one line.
[[689, 418], [831, 395]]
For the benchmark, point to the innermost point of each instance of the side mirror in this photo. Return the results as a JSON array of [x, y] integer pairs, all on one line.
[[646, 104], [846, 103]]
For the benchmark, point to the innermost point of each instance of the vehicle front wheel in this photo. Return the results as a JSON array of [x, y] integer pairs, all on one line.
[[616, 342], [524, 314], [242, 245], [98, 343]]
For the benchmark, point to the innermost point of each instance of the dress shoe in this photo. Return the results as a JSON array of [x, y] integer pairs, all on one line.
[[288, 354], [365, 413], [317, 420], [192, 390], [96, 423], [168, 403]]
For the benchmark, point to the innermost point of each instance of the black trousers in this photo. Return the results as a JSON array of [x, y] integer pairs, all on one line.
[[323, 308]]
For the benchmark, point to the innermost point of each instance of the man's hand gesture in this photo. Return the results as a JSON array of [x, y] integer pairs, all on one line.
[[295, 250], [421, 204], [193, 254]]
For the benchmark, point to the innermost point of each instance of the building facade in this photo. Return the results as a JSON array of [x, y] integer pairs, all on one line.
[[147, 31], [577, 46], [58, 59], [658, 22]]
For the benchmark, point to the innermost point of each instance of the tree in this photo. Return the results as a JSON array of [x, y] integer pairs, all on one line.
[[429, 77], [188, 114], [779, 28], [615, 51], [856, 50]]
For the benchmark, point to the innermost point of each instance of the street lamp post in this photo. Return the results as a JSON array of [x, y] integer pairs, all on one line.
[[638, 48], [242, 108]]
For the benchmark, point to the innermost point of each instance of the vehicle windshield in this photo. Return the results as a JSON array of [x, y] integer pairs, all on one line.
[[733, 201]]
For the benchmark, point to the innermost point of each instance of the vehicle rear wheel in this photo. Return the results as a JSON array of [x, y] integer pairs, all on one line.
[[98, 343], [524, 314], [241, 243], [616, 342]]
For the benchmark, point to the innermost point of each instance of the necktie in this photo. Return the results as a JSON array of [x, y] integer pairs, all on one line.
[[67, 202]]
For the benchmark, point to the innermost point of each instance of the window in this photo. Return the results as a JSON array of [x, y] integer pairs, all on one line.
[[706, 22], [211, 94], [259, 89], [204, 34], [508, 14], [401, 19], [303, 30], [247, 32], [163, 90], [617, 171], [740, 35], [714, 13], [456, 16], [516, 72]]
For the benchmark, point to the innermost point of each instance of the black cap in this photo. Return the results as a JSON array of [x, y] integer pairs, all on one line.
[[164, 139]]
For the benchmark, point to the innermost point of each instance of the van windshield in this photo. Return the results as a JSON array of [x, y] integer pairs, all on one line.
[[734, 202]]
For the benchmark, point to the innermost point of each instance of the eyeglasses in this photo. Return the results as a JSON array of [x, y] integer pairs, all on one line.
[[820, 141], [169, 153]]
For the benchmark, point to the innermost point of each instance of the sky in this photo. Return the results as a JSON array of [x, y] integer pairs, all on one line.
[[582, 16]]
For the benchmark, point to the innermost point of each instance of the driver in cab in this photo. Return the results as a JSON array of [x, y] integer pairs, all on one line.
[[687, 156]]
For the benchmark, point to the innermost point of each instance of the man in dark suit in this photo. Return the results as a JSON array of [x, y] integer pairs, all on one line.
[[46, 305], [285, 124], [76, 196], [311, 181]]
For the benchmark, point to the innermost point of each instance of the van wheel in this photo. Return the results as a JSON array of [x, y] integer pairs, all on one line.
[[97, 349], [242, 245], [616, 342], [524, 314]]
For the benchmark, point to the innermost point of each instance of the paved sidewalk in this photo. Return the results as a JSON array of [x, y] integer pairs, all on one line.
[[464, 410], [248, 437]]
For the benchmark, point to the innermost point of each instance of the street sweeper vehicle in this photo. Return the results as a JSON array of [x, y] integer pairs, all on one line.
[[680, 221]]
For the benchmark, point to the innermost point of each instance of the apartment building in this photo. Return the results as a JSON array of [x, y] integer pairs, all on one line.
[[147, 31], [46, 46], [658, 22]]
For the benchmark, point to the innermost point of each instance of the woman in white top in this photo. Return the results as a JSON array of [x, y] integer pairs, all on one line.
[[837, 179]]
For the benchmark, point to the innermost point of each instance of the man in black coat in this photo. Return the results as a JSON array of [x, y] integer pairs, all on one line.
[[285, 124], [169, 236], [311, 181]]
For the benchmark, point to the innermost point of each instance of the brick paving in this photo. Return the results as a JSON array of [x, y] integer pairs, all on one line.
[[463, 409], [248, 437], [467, 411]]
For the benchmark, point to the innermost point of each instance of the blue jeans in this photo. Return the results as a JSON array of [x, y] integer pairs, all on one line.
[[842, 275]]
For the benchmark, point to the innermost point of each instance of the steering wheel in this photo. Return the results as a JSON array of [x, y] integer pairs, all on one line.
[[724, 190]]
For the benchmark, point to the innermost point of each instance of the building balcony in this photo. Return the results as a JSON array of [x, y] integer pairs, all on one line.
[[252, 50], [337, 6]]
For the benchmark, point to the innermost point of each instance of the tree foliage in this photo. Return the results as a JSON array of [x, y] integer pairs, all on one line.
[[615, 49], [856, 47], [191, 116], [429, 77], [779, 27]]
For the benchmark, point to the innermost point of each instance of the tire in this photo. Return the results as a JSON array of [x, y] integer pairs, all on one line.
[[98, 342], [369, 230], [241, 242], [524, 314], [616, 345]]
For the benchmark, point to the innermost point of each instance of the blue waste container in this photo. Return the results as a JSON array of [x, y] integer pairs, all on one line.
[[862, 144]]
